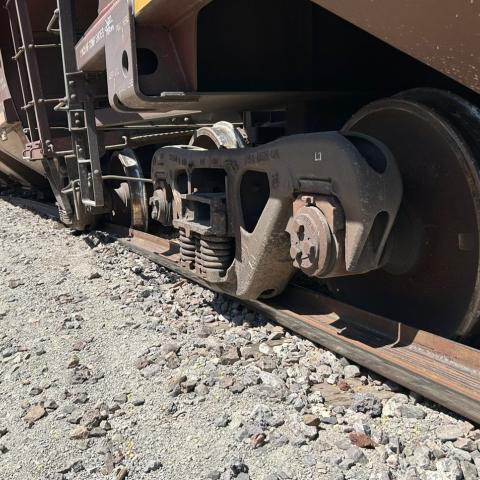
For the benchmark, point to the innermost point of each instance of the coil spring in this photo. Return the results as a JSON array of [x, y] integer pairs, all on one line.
[[188, 248], [215, 254]]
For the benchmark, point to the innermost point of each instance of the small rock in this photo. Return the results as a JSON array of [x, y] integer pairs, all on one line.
[[380, 437], [469, 471], [329, 420], [222, 421], [243, 476], [151, 371], [267, 363], [75, 416], [308, 432], [201, 390], [465, 444], [333, 379], [122, 474], [226, 382], [299, 404], [238, 466], [34, 391], [14, 284], [447, 433], [9, 352], [237, 388], [392, 461], [97, 432], [121, 399], [73, 362], [81, 398], [213, 475], [362, 428], [105, 425], [51, 405], [367, 403], [412, 411], [422, 457], [137, 401], [395, 445], [91, 418], [272, 380], [153, 466], [277, 333], [278, 440], [316, 398], [79, 346], [79, 433], [75, 466], [171, 347], [393, 406], [361, 440], [35, 414], [353, 456], [449, 468], [311, 420], [343, 386], [351, 371], [39, 350], [258, 440], [230, 356]]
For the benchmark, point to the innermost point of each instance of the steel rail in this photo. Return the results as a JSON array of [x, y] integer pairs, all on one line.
[[440, 369]]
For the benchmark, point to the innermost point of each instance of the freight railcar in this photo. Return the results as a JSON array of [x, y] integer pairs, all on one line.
[[329, 142]]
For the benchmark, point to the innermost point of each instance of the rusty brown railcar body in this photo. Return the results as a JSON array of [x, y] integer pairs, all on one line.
[[443, 35], [274, 139]]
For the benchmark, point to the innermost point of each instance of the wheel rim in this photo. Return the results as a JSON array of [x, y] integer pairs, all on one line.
[[431, 134], [129, 198]]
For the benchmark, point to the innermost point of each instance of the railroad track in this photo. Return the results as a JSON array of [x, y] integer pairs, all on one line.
[[440, 369]]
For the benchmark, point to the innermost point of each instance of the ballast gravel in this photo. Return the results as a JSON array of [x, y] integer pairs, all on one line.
[[112, 367]]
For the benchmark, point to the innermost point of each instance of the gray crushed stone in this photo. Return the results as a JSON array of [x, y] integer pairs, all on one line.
[[112, 367]]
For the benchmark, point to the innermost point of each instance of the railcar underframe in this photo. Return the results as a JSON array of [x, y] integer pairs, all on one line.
[[323, 142]]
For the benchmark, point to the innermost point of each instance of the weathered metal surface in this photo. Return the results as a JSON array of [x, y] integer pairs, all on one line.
[[432, 273], [126, 163], [444, 35], [113, 43], [12, 164], [79, 105], [208, 198], [314, 247], [13, 141]]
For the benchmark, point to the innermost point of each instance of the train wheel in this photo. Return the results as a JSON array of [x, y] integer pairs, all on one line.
[[431, 275], [129, 198], [219, 136]]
